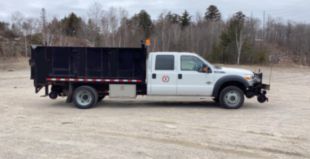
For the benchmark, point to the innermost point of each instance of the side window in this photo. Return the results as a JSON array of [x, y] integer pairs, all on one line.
[[164, 63], [191, 63]]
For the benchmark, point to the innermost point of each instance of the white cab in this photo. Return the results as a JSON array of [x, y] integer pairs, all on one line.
[[171, 73]]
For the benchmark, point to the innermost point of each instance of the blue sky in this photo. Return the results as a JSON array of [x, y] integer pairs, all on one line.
[[297, 10]]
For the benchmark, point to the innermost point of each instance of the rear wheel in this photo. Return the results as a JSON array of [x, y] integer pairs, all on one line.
[[85, 97], [231, 97]]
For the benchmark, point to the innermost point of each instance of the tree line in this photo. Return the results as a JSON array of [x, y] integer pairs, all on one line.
[[241, 39]]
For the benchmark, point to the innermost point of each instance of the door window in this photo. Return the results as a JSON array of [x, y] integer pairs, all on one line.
[[191, 63], [164, 63]]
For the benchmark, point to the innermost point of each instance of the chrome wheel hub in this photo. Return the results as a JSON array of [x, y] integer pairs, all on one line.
[[84, 98], [232, 98]]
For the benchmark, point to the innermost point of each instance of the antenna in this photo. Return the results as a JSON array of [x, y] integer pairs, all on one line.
[[271, 69]]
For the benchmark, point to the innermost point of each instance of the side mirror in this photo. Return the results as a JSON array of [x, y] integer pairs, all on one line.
[[209, 70]]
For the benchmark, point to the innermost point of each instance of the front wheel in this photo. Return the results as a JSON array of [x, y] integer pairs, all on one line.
[[231, 97], [85, 97]]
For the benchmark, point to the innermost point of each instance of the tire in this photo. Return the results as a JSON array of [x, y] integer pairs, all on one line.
[[231, 97], [216, 100], [100, 98], [85, 97]]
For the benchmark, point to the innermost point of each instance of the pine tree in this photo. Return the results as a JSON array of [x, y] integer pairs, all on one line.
[[72, 24], [232, 40], [144, 22], [173, 18], [213, 14], [185, 19]]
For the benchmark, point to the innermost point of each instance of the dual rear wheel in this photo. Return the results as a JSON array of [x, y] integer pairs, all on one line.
[[85, 97]]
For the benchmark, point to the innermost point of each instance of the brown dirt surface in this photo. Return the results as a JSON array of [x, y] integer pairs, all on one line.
[[153, 127]]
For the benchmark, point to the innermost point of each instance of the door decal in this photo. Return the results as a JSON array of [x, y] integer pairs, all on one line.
[[165, 79]]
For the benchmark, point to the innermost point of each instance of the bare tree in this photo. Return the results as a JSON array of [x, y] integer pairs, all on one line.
[[95, 13], [239, 19], [238, 40], [17, 23], [44, 26]]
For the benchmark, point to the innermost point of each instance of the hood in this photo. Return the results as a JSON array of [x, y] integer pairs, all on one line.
[[238, 71]]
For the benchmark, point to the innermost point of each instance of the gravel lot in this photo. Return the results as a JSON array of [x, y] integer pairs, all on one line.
[[152, 127]]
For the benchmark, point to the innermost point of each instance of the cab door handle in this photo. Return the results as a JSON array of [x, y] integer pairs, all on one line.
[[153, 76], [180, 76]]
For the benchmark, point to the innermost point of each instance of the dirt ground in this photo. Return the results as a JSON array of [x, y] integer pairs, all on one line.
[[152, 127]]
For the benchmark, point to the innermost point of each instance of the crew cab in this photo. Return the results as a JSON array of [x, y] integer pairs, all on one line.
[[87, 75]]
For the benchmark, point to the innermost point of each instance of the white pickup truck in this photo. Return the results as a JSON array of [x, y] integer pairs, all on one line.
[[187, 74], [93, 74]]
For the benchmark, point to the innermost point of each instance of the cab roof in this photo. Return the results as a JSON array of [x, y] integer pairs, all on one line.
[[172, 53]]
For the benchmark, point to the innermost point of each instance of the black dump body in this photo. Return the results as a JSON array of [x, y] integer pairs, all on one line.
[[87, 62]]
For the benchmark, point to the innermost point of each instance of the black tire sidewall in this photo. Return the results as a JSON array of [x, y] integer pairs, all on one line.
[[100, 98], [92, 91], [227, 89]]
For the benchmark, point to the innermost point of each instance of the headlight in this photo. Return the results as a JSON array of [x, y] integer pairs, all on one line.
[[248, 77], [258, 77]]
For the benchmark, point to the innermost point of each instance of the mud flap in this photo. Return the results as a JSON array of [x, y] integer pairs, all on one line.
[[46, 90]]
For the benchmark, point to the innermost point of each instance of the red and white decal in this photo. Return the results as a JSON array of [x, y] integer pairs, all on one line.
[[90, 80], [165, 79]]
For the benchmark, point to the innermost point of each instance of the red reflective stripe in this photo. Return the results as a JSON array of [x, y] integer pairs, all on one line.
[[93, 80]]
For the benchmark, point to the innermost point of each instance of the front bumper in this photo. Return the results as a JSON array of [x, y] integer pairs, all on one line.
[[266, 87], [258, 89]]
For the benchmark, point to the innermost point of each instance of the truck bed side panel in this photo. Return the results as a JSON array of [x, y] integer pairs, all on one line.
[[82, 62]]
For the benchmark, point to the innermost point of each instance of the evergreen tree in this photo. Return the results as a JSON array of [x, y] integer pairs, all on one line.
[[72, 25], [185, 19], [213, 14], [238, 22], [173, 18], [6, 31], [232, 39], [144, 22], [93, 32]]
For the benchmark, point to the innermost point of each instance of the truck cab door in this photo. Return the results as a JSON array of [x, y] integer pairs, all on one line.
[[192, 80], [162, 77]]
